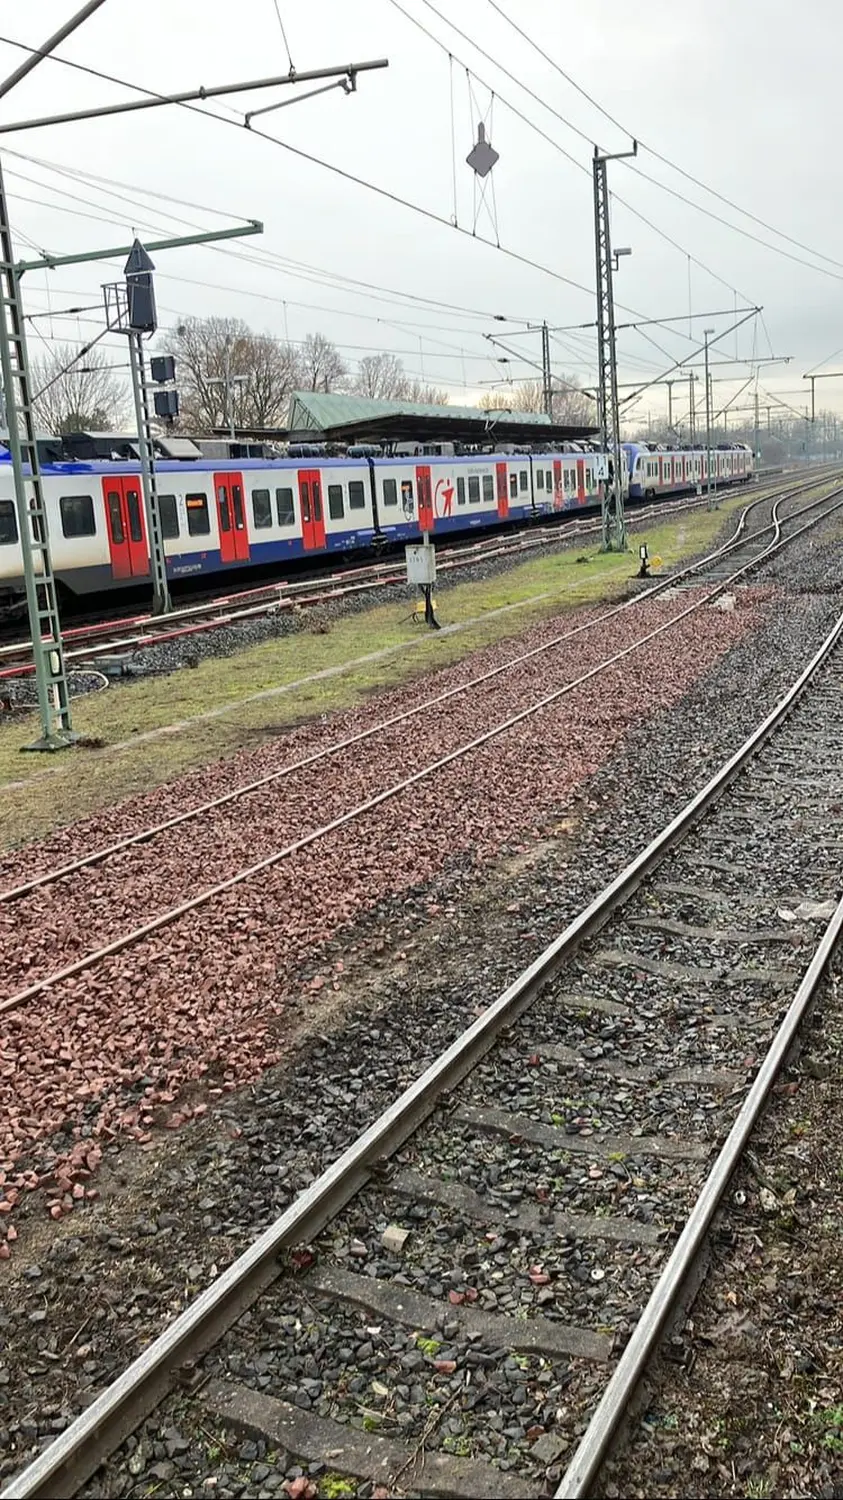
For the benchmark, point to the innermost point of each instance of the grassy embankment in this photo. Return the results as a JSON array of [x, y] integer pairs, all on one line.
[[153, 730]]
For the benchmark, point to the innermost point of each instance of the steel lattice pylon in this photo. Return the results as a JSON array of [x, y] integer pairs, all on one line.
[[42, 603], [612, 508]]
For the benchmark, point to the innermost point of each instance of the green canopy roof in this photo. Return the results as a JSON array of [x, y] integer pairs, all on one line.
[[318, 411]]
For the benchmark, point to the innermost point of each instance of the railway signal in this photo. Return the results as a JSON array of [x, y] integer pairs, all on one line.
[[130, 309], [162, 370], [42, 602]]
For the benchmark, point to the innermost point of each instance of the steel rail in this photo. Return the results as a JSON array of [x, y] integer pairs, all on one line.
[[287, 592], [96, 856], [74, 1455], [100, 634], [137, 934], [173, 914], [594, 1443]]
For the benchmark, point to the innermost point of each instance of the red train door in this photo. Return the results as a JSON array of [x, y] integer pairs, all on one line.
[[231, 518], [558, 486], [502, 485], [126, 527], [312, 514], [581, 495], [425, 497]]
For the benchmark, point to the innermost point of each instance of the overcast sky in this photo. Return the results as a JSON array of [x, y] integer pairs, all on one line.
[[743, 95]]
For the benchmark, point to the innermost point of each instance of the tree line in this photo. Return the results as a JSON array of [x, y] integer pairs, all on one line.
[[783, 435], [225, 369]]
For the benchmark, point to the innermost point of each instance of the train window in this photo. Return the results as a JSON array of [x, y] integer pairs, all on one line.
[[488, 490], [77, 515], [135, 523], [548, 479], [390, 492], [304, 491], [261, 509], [222, 503], [336, 509], [473, 488], [460, 489], [284, 507], [317, 501], [239, 517], [513, 486], [522, 480], [115, 517], [198, 520], [356, 495], [8, 523], [539, 479], [168, 512]]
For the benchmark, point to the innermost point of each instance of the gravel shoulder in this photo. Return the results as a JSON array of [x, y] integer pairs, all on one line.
[[237, 687], [83, 1295], [202, 1005]]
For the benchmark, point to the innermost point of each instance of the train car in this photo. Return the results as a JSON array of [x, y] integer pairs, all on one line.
[[655, 470], [220, 515]]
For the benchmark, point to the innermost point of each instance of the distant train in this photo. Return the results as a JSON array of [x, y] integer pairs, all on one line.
[[655, 471], [221, 515]]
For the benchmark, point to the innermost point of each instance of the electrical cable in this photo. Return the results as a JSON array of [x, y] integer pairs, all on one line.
[[318, 161], [302, 270], [665, 160], [284, 36], [538, 130]]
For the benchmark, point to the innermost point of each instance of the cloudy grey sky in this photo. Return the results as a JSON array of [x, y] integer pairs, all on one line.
[[741, 95]]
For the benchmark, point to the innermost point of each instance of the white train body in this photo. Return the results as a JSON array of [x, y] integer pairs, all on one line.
[[227, 515]]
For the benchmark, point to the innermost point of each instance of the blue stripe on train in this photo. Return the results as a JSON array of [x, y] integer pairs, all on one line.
[[279, 549]]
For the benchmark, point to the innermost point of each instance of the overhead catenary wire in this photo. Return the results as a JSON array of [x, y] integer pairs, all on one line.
[[580, 166], [826, 361], [658, 156], [272, 258], [284, 36], [639, 172], [331, 167], [79, 176], [430, 214], [340, 172]]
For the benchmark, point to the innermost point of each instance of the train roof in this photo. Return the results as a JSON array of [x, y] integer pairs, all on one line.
[[130, 463], [685, 447]]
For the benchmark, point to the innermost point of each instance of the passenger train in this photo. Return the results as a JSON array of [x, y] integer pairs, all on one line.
[[655, 471], [227, 514]]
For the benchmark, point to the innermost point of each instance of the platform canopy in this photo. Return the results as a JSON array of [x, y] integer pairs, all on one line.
[[336, 417]]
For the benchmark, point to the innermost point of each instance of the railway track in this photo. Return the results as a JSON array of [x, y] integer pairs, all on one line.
[[464, 1302], [104, 918], [144, 860], [90, 641]]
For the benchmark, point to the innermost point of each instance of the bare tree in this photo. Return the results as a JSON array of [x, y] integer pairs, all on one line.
[[79, 391], [322, 366], [382, 377], [570, 404], [206, 350], [426, 395]]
